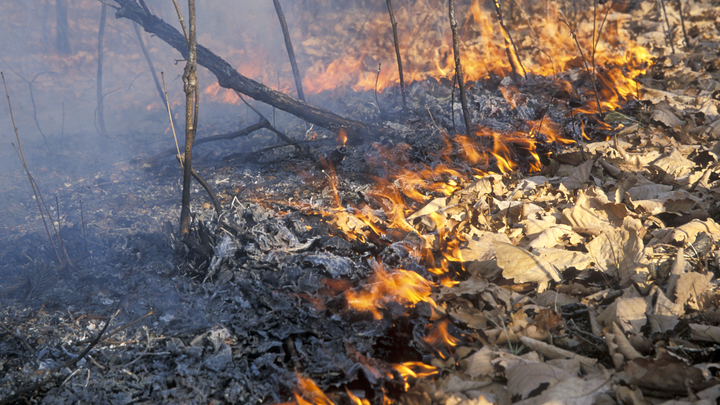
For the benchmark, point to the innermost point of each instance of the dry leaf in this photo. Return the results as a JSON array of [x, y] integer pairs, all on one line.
[[687, 232], [629, 313], [665, 114], [689, 288], [619, 251], [579, 176], [524, 267]]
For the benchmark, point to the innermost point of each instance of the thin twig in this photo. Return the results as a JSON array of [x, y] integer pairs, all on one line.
[[513, 56], [585, 62], [682, 23], [181, 19], [282, 136], [33, 185], [290, 51], [458, 67], [669, 35], [397, 53], [163, 96]]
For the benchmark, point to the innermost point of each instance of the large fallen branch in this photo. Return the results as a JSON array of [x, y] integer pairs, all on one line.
[[229, 78]]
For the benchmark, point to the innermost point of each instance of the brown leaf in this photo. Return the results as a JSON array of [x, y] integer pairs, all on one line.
[[524, 267]]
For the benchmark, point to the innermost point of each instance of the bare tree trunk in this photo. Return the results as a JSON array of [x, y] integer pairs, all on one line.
[[190, 84]]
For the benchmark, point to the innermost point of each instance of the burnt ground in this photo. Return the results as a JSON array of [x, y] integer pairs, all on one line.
[[269, 302]]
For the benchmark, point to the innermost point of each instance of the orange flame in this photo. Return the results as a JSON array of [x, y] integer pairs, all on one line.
[[308, 389], [402, 286]]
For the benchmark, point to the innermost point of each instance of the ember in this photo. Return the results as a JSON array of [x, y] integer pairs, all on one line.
[[508, 233]]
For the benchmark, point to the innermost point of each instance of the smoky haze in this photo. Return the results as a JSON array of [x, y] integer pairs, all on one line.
[[51, 74]]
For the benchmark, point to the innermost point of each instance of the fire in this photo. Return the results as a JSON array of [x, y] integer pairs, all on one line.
[[401, 286], [356, 53], [307, 388], [439, 338]]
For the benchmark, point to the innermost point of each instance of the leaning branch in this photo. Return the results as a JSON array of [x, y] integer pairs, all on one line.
[[229, 78], [290, 51]]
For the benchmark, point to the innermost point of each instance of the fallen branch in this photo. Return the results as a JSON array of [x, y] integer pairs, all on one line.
[[229, 78]]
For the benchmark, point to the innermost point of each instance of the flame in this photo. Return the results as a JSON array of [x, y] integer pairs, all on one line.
[[342, 137], [439, 337], [307, 388], [355, 400], [401, 286]]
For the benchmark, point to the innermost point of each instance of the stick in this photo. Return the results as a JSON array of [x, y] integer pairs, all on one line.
[[151, 66], [229, 78], [33, 185], [205, 185], [190, 86], [100, 106], [513, 56], [682, 23], [458, 67], [669, 35], [281, 135], [585, 62], [289, 47], [397, 53]]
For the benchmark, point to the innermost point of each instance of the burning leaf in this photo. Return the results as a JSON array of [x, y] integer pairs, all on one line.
[[524, 267]]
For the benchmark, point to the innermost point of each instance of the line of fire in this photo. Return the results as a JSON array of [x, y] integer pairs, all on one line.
[[356, 202]]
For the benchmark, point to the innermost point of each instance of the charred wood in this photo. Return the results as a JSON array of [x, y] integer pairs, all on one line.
[[229, 78]]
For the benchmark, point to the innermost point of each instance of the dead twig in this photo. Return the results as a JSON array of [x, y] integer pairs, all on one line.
[[565, 21], [36, 190], [668, 33], [290, 51], [163, 95], [682, 23], [397, 53], [458, 67], [513, 56]]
